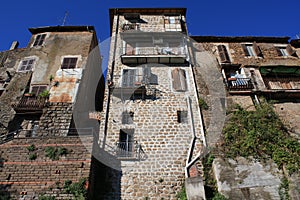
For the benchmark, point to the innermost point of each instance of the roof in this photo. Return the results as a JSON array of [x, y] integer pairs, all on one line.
[[144, 11], [60, 29], [265, 39]]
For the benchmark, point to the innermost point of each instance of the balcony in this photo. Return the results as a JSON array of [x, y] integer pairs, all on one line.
[[30, 104], [129, 151], [163, 55], [237, 84], [130, 27]]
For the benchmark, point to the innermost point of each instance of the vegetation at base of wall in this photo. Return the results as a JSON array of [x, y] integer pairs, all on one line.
[[55, 153], [78, 189], [31, 148], [32, 156], [203, 104], [284, 189], [4, 196], [181, 195], [260, 134], [219, 196], [43, 197]]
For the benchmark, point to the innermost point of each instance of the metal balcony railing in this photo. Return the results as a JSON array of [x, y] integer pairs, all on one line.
[[128, 27], [240, 84], [154, 51], [29, 103], [129, 150]]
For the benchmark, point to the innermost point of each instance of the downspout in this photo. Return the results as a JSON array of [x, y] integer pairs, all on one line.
[[111, 79]]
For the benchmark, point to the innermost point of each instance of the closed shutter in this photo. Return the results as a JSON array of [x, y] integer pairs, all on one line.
[[179, 80], [245, 50], [223, 53], [129, 77], [257, 49], [290, 50], [278, 51]]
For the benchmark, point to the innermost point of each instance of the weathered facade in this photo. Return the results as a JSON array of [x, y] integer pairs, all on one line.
[[45, 102], [250, 68], [152, 117]]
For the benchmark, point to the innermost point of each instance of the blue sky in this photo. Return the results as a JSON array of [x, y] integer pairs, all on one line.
[[205, 17]]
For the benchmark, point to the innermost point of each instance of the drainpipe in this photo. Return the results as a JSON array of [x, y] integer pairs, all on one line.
[[111, 78]]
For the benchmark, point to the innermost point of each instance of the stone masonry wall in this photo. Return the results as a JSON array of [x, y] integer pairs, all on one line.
[[57, 118], [19, 173]]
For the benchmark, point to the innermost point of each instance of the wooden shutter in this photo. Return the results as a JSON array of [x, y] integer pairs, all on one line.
[[290, 50], [223, 53], [129, 77], [257, 49], [245, 50], [179, 80], [278, 51]]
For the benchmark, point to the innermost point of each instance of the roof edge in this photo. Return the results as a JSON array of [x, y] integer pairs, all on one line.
[[60, 29]]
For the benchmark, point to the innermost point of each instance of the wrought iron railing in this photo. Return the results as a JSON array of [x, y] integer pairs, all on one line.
[[128, 27], [129, 150], [154, 51], [29, 103], [240, 84]]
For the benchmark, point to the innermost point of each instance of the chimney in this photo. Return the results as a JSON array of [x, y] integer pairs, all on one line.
[[14, 45]]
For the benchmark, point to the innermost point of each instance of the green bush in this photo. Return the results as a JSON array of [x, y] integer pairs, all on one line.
[[77, 189], [32, 156], [55, 153], [203, 104], [219, 196], [43, 197], [31, 147], [261, 134], [181, 195]]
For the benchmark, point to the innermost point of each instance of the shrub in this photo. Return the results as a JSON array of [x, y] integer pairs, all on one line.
[[31, 147], [203, 104], [32, 156]]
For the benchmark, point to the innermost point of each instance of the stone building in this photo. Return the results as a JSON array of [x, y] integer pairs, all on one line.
[[151, 115], [50, 90], [249, 68]]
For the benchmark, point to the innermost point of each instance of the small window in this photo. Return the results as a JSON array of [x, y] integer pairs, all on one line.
[[252, 50], [285, 51], [39, 40], [223, 54], [69, 63], [179, 80], [126, 143], [172, 23], [38, 89], [127, 117], [26, 65], [182, 116]]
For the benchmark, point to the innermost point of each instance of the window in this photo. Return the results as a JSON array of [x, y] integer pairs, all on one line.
[[179, 80], [285, 51], [172, 23], [182, 116], [223, 54], [38, 89], [136, 77], [127, 117], [126, 143], [252, 50], [39, 40], [26, 65], [69, 63]]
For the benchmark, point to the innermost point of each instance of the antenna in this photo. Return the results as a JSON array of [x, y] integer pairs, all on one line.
[[65, 18]]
